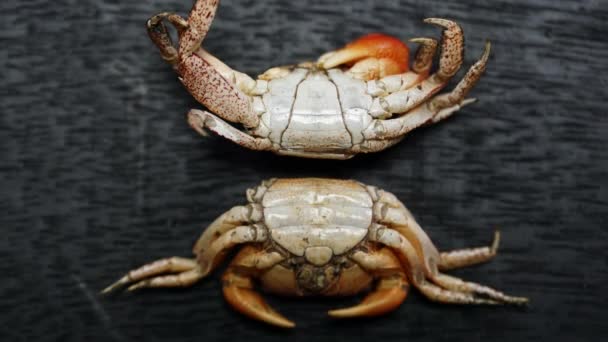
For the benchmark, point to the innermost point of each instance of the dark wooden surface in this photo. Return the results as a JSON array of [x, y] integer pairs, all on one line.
[[100, 172]]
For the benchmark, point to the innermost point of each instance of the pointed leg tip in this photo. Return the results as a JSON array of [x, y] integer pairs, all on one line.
[[422, 40], [522, 301], [287, 324], [445, 23], [468, 102], [496, 241], [486, 51], [116, 285], [137, 286], [339, 313]]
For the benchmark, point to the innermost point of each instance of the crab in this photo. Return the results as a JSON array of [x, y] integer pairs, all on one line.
[[359, 99], [324, 237]]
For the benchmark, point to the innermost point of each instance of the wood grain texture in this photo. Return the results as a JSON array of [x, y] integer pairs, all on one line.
[[101, 173]]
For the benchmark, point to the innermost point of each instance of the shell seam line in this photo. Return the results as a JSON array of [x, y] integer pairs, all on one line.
[[352, 139], [293, 104]]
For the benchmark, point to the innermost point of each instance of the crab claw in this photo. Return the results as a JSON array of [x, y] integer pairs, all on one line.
[[372, 56]]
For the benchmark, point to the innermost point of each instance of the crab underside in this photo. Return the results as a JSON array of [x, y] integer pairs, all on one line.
[[311, 236], [362, 98]]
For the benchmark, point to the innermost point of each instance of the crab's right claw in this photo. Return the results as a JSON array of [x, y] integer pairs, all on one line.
[[239, 293], [372, 56], [388, 296]]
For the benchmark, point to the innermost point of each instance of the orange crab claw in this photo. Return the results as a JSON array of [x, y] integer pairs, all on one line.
[[372, 56]]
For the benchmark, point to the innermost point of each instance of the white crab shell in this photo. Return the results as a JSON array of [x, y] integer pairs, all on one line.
[[313, 112], [317, 220]]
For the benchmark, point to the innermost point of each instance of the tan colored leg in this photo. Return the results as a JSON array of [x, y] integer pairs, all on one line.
[[452, 290], [402, 248], [239, 293], [187, 270], [469, 256], [424, 115], [456, 284], [390, 292], [371, 146], [200, 120], [236, 216], [210, 257], [437, 294], [389, 211]]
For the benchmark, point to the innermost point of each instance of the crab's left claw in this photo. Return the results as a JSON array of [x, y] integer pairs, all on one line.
[[372, 56]]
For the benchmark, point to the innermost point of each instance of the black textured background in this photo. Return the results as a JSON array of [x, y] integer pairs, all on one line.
[[100, 172]]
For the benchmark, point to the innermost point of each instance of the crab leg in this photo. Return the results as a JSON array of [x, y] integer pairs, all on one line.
[[160, 36], [450, 289], [199, 21], [199, 120], [212, 83], [225, 232], [469, 256], [423, 61], [421, 67], [186, 269], [410, 261], [456, 284], [452, 47], [370, 146], [440, 108], [191, 270], [389, 211], [236, 216], [464, 86], [238, 286]]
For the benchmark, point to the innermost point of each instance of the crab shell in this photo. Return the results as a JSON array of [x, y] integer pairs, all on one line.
[[322, 237], [359, 99]]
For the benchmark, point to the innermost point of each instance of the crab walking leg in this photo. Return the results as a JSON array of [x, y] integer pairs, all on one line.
[[391, 289], [199, 21], [160, 36], [438, 294], [211, 82], [238, 286], [199, 120], [421, 68], [219, 94], [370, 146], [167, 265], [456, 284], [423, 115], [469, 256], [412, 263], [389, 211], [452, 50], [236, 216], [183, 279], [464, 86], [423, 60], [440, 108], [208, 258]]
